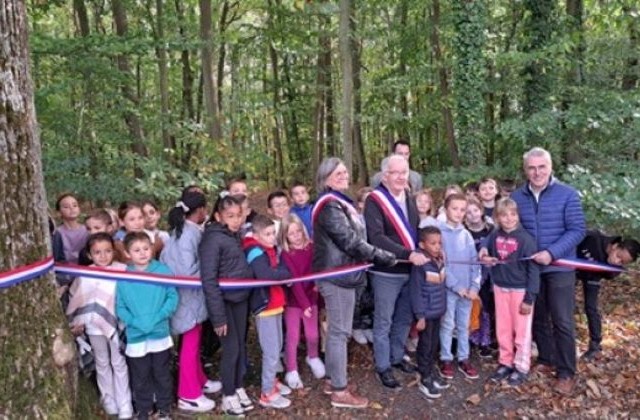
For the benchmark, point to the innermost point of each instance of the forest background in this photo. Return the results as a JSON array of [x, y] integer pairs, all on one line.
[[142, 97]]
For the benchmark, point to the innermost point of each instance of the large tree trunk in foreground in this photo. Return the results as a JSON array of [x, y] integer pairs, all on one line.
[[31, 385]]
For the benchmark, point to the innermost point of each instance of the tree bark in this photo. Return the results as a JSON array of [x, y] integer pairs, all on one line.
[[32, 385], [187, 73], [319, 112], [212, 110], [131, 118], [631, 69], [163, 72], [346, 62], [362, 175], [444, 85]]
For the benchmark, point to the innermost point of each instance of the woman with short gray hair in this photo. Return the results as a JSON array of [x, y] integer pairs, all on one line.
[[339, 240]]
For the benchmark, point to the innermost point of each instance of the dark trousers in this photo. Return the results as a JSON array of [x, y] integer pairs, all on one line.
[[428, 346], [554, 327], [591, 291], [234, 349], [151, 375]]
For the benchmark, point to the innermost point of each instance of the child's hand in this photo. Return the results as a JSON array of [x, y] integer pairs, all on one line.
[[221, 331], [472, 295], [463, 293], [525, 308], [77, 330], [307, 312], [421, 324], [490, 261]]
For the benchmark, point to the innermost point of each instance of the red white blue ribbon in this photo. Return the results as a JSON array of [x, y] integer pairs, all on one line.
[[330, 196], [24, 273], [194, 282]]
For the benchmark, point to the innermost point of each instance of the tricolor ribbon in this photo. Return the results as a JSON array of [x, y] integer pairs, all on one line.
[[37, 269], [194, 282], [24, 273]]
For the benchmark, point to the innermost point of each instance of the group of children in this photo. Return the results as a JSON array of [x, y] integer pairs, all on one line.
[[234, 242]]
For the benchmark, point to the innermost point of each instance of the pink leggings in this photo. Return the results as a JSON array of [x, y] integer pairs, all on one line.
[[191, 376], [513, 330], [292, 318]]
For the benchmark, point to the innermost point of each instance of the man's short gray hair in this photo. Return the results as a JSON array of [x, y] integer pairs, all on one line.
[[384, 165], [325, 169], [536, 152]]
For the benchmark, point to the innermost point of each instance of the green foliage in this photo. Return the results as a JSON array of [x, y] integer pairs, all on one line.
[[611, 200]]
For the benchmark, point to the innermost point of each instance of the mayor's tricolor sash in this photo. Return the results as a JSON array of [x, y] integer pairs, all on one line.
[[392, 211], [329, 196]]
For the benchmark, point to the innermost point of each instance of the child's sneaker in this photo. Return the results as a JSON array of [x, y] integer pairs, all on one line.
[[231, 406], [439, 384], [282, 388], [345, 399], [327, 389], [501, 373], [201, 404], [293, 380], [368, 333], [446, 369], [274, 400], [428, 389], [469, 371], [162, 415], [517, 378], [485, 352], [243, 398], [211, 387], [358, 337], [317, 367]]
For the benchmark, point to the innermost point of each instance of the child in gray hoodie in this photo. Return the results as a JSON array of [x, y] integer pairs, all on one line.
[[462, 282]]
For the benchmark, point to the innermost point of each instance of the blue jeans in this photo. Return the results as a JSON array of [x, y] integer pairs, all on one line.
[[392, 318], [456, 317]]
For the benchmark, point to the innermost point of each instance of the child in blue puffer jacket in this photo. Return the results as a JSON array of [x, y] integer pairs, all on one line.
[[429, 303]]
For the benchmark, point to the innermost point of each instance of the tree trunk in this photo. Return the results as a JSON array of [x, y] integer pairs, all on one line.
[[187, 73], [346, 61], [212, 110], [322, 72], [277, 141], [444, 85], [574, 78], [362, 175], [631, 69], [32, 384], [131, 118], [163, 72]]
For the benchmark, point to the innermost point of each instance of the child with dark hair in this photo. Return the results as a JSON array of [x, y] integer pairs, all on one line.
[[278, 207], [145, 309], [429, 303], [92, 311], [152, 215], [613, 250], [268, 306], [132, 220], [488, 193], [221, 256], [97, 221], [301, 205], [73, 234], [180, 254]]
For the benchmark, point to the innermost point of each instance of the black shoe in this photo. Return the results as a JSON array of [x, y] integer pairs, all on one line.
[[388, 380], [439, 383], [405, 367], [428, 389], [485, 352], [591, 354], [501, 374]]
